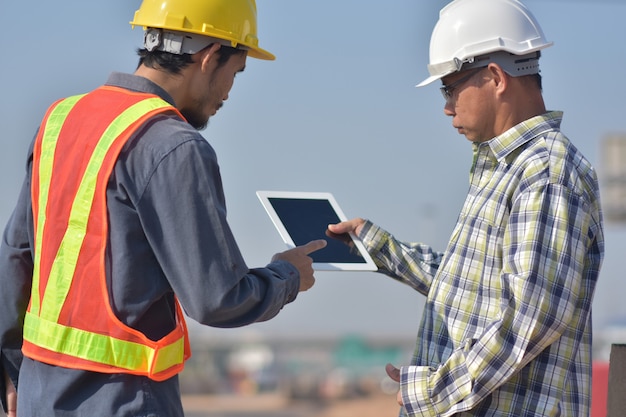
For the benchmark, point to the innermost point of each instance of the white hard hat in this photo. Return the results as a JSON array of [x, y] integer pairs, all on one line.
[[504, 31]]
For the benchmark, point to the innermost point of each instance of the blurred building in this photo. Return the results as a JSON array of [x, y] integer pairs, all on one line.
[[316, 368], [612, 172]]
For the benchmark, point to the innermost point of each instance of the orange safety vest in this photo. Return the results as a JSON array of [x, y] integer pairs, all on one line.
[[69, 321]]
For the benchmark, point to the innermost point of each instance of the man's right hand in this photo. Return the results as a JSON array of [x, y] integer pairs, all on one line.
[[11, 396], [299, 257]]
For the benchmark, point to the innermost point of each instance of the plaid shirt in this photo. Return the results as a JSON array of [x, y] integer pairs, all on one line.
[[506, 328]]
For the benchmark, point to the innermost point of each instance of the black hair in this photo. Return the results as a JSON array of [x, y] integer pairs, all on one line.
[[538, 80], [175, 63], [535, 79]]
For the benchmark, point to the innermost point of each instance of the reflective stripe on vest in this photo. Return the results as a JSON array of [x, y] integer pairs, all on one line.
[[47, 338]]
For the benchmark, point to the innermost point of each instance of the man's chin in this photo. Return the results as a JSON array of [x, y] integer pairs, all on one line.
[[198, 123], [202, 126]]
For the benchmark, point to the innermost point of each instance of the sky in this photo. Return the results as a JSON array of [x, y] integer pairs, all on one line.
[[337, 112]]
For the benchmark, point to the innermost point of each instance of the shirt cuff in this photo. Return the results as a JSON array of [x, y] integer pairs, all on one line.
[[372, 236], [291, 275], [427, 391]]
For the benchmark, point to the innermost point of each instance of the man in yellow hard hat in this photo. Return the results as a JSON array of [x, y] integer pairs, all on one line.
[[121, 226]]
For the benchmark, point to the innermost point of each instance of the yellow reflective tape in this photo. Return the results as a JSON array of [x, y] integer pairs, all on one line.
[[87, 345], [51, 131], [169, 355], [64, 265], [101, 349]]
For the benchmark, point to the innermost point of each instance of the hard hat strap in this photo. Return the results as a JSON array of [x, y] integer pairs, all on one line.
[[514, 65], [179, 42]]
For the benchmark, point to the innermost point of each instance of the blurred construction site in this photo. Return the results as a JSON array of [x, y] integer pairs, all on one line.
[[313, 377]]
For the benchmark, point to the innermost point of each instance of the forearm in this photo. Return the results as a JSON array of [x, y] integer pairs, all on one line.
[[257, 296], [496, 358], [16, 269], [413, 264], [430, 391], [15, 280]]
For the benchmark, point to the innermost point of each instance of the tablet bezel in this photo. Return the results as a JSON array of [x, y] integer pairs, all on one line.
[[265, 196]]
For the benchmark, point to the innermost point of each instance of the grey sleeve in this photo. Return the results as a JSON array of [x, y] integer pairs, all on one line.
[[184, 216], [16, 269]]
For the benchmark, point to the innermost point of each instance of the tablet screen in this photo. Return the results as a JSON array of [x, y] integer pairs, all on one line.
[[302, 217]]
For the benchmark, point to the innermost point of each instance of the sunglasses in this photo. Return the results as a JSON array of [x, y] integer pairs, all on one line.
[[448, 90]]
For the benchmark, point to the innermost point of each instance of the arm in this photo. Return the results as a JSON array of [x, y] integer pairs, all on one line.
[[16, 266], [543, 296], [183, 214], [413, 264]]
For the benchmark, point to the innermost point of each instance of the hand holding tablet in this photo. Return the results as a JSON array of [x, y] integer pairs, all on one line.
[[301, 217]]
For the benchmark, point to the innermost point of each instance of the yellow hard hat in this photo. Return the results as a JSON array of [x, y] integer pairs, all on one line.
[[232, 21]]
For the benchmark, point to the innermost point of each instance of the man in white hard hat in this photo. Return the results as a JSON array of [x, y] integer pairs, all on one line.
[[121, 225], [506, 329]]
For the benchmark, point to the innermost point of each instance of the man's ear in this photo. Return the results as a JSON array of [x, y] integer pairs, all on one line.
[[498, 76], [208, 54]]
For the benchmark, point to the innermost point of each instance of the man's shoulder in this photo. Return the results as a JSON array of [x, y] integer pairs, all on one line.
[[166, 132], [165, 143]]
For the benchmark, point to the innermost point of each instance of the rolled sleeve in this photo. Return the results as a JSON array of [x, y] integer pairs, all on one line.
[[427, 391]]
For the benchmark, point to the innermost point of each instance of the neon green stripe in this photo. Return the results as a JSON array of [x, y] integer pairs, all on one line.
[[86, 345], [48, 145], [169, 355], [66, 259], [99, 348]]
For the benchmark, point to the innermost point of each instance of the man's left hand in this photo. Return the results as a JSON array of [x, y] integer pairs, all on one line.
[[394, 373]]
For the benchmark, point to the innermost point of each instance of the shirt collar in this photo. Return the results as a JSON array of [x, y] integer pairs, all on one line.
[[518, 135], [138, 84]]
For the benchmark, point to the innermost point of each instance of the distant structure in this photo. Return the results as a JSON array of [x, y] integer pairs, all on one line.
[[613, 177]]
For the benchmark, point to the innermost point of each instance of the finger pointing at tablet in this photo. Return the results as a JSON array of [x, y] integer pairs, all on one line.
[[313, 246], [299, 257]]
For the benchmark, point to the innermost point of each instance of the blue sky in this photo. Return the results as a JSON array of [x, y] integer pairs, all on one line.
[[337, 111]]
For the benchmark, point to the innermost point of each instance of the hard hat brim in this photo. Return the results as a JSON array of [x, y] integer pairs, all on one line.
[[260, 53], [429, 80]]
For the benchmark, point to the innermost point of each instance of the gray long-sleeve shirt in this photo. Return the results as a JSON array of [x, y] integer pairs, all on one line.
[[168, 235]]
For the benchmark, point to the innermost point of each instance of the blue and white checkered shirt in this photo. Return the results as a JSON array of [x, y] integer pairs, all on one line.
[[506, 329]]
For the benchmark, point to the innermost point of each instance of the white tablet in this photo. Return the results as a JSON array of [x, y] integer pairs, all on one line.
[[304, 216]]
